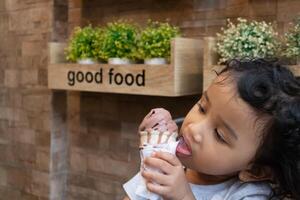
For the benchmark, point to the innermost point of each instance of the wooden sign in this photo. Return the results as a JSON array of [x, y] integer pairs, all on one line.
[[183, 76]]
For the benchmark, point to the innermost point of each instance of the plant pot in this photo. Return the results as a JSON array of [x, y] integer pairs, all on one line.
[[156, 61], [86, 61], [120, 61]]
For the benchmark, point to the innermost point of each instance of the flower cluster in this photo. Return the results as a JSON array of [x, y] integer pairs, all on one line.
[[84, 43], [292, 48], [247, 40], [120, 40], [155, 40]]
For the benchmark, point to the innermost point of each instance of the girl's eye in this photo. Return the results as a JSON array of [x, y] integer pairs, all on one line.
[[201, 109], [219, 137]]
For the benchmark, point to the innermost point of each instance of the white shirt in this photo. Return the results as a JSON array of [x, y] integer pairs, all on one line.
[[232, 189]]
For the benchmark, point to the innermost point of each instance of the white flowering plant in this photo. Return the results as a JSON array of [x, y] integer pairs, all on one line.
[[292, 41], [247, 40]]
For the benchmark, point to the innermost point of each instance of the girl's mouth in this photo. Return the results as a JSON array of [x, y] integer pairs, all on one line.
[[183, 149]]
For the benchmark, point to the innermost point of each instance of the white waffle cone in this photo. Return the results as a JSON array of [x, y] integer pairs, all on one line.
[[154, 137], [143, 138], [173, 137], [164, 137]]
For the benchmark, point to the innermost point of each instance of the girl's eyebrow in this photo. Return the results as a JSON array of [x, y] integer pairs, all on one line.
[[231, 131], [206, 96]]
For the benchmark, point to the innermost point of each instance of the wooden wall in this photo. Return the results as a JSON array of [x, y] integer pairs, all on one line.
[[65, 145]]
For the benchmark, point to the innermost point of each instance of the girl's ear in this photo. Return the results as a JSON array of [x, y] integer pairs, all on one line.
[[256, 174]]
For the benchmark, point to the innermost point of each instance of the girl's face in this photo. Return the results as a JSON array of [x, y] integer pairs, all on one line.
[[222, 132]]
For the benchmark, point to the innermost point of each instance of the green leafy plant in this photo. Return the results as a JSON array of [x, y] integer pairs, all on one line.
[[85, 43], [247, 40], [292, 41], [120, 40], [155, 40]]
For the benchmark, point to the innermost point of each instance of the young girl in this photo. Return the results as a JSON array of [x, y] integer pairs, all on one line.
[[242, 138]]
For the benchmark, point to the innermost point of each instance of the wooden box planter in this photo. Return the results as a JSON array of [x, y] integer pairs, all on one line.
[[183, 76], [210, 60]]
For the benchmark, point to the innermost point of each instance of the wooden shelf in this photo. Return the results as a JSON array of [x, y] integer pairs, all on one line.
[[210, 60], [183, 76]]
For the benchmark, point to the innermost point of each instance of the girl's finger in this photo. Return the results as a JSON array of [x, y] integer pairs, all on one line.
[[158, 163], [155, 188], [168, 157], [155, 177]]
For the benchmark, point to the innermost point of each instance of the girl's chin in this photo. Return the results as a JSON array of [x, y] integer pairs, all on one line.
[[189, 164]]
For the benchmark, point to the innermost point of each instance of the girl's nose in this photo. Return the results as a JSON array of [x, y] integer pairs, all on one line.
[[196, 131]]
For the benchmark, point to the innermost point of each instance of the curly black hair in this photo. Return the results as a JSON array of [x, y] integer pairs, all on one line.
[[273, 90]]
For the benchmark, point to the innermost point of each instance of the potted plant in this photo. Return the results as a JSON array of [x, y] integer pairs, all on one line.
[[154, 45], [247, 40], [120, 42], [292, 42], [84, 45]]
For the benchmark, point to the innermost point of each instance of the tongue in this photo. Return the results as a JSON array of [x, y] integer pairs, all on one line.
[[182, 149]]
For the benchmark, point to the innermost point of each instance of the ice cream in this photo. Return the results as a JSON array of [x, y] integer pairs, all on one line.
[[157, 127], [158, 133]]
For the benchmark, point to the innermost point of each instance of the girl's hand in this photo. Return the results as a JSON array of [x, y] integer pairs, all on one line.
[[170, 183]]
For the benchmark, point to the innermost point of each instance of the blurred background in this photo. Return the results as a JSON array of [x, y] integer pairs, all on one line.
[[80, 145]]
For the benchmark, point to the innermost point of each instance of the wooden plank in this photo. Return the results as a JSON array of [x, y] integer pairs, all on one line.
[[56, 52], [210, 59], [187, 59], [125, 79]]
